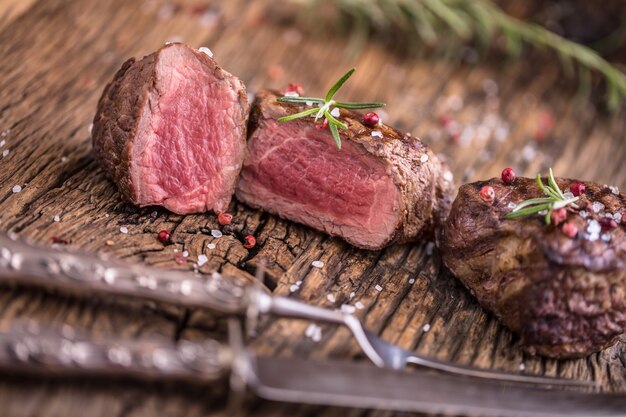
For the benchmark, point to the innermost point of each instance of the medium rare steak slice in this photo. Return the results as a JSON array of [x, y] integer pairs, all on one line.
[[562, 288], [373, 192], [170, 130]]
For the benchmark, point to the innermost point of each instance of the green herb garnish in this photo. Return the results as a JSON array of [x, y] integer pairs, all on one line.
[[554, 200], [324, 107]]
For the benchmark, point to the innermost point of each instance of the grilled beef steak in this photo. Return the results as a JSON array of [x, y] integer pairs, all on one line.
[[170, 130], [564, 296], [373, 192]]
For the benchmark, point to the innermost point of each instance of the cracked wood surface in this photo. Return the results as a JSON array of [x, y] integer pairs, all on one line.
[[57, 56]]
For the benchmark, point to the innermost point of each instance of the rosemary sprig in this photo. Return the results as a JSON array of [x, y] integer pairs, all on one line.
[[554, 200], [465, 20], [325, 107]]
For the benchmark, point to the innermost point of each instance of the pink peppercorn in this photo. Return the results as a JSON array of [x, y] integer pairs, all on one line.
[[164, 236], [371, 119], [224, 218], [558, 216], [249, 242], [508, 175], [607, 223], [487, 194], [294, 88], [569, 230], [577, 188]]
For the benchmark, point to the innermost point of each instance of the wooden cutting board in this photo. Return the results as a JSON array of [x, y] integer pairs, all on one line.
[[57, 55]]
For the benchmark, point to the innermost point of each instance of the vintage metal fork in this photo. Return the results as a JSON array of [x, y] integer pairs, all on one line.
[[88, 275]]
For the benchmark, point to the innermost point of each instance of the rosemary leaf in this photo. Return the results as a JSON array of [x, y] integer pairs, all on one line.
[[554, 185], [527, 211], [532, 202], [348, 105], [334, 121], [300, 100], [333, 90], [297, 115], [335, 133]]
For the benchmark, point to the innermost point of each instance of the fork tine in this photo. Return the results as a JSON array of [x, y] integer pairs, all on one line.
[[493, 374]]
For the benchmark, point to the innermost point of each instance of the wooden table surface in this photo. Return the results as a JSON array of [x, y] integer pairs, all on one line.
[[57, 55]]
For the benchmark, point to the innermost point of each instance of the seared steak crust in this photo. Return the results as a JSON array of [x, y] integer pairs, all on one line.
[[129, 107], [419, 176], [565, 297]]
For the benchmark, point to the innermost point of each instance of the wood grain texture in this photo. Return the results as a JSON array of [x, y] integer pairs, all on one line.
[[57, 55]]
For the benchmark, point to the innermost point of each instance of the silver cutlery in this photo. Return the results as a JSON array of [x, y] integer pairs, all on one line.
[[31, 349], [89, 275]]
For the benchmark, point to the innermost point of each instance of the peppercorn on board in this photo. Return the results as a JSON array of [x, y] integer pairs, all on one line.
[[58, 54]]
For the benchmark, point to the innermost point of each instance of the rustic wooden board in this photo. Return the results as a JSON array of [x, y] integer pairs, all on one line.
[[58, 54]]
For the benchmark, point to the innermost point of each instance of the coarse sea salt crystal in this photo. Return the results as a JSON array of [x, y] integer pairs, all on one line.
[[5, 153], [377, 133], [424, 158], [594, 229], [202, 259], [292, 94], [606, 237], [511, 205], [335, 112], [614, 189], [2, 143], [412, 281], [378, 288], [448, 176], [426, 328], [294, 288], [359, 305], [124, 229], [331, 297], [597, 206], [206, 50], [522, 366], [352, 295], [308, 103], [583, 214], [211, 246], [57, 219], [17, 188], [185, 253], [216, 233], [317, 264]]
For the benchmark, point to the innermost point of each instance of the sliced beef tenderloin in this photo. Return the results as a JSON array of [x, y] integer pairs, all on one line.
[[562, 291], [373, 192], [170, 130]]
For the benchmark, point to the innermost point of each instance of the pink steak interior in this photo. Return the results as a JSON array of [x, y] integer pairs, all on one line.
[[296, 170], [186, 155]]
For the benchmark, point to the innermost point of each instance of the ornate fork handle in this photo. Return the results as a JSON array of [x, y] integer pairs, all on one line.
[[88, 274], [28, 348]]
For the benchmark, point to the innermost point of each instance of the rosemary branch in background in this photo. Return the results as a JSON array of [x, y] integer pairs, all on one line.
[[481, 21], [325, 107], [554, 200]]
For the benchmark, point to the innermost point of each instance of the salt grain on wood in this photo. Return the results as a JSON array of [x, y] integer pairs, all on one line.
[[124, 229], [211, 246], [331, 298], [57, 219], [378, 288], [426, 328], [317, 264], [5, 153], [216, 233], [17, 188], [202, 259], [377, 133]]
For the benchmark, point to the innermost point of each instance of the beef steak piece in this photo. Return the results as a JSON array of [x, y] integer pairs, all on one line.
[[565, 297], [372, 193], [170, 130]]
